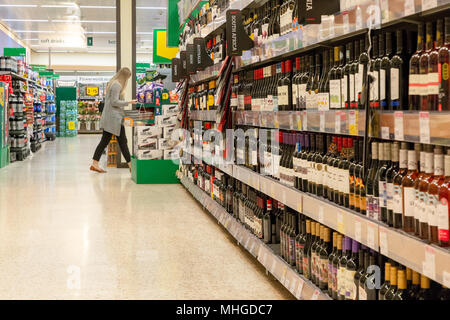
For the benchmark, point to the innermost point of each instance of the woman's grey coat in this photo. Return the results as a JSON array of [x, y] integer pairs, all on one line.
[[113, 112]]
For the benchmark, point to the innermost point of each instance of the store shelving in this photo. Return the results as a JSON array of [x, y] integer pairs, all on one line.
[[267, 255], [203, 115]]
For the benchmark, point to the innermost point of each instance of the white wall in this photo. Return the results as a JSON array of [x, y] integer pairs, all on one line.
[[82, 61]]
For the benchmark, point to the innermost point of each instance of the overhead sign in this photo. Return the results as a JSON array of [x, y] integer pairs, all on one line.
[[142, 67], [38, 67], [161, 52], [92, 91], [90, 41], [14, 52]]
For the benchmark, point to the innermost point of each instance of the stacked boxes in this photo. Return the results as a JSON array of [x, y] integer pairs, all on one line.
[[68, 118], [152, 142]]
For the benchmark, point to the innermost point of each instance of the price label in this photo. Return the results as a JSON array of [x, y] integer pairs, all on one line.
[[322, 121], [429, 265], [71, 125], [298, 292], [371, 237], [340, 222], [283, 197], [283, 276], [321, 214], [337, 122], [291, 121], [272, 190], [383, 242], [353, 122], [299, 122], [92, 91], [358, 231], [428, 4], [446, 279], [292, 286], [273, 267], [385, 133], [398, 125], [409, 7], [305, 121], [315, 295], [424, 124], [300, 204]]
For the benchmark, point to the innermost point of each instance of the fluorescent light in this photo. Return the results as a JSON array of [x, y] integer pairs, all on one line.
[[58, 5], [24, 20], [101, 32], [152, 8], [53, 51], [30, 39], [97, 7], [19, 5], [35, 31]]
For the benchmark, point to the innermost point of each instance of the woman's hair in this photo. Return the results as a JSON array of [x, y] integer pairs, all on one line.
[[122, 77]]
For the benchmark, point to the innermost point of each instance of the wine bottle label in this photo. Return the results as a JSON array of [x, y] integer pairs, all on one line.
[[264, 32], [433, 83], [423, 84], [330, 275], [346, 182], [374, 88], [382, 193], [409, 199], [395, 83], [403, 158], [341, 281], [369, 200], [324, 270], [383, 85], [254, 158], [275, 103], [390, 196], [335, 278], [306, 272], [295, 95], [443, 220], [422, 207], [344, 88], [358, 81], [362, 293], [269, 102], [376, 208], [414, 81], [335, 94], [302, 95], [350, 289], [352, 88], [323, 101], [276, 166], [438, 164], [432, 201]]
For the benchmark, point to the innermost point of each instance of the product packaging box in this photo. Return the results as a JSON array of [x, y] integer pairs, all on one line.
[[145, 143], [169, 109], [148, 131], [165, 120], [171, 154], [149, 154], [167, 131], [163, 144]]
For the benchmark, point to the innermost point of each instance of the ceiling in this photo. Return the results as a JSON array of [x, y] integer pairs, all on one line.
[[65, 25]]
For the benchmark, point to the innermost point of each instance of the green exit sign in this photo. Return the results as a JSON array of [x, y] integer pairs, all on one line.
[[90, 41], [14, 52]]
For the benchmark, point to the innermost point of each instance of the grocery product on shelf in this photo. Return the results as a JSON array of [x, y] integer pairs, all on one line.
[[88, 116], [68, 118]]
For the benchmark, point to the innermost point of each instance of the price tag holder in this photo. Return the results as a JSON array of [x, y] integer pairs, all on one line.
[[291, 121], [299, 121], [353, 122], [409, 7], [446, 279], [300, 204], [305, 121], [298, 292], [371, 237], [383, 242], [340, 222], [398, 125], [337, 122], [385, 133], [424, 125], [429, 265], [315, 295], [322, 121], [321, 219], [358, 231], [283, 197], [428, 4]]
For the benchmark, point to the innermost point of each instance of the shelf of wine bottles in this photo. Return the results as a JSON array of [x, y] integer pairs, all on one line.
[[347, 122], [267, 255], [210, 73]]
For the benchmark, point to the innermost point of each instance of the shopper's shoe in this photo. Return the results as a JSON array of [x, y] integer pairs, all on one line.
[[99, 170]]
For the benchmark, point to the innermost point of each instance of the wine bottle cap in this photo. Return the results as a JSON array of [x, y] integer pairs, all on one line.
[[355, 246], [424, 282], [408, 274], [415, 277], [363, 247], [387, 271], [393, 276], [401, 279]]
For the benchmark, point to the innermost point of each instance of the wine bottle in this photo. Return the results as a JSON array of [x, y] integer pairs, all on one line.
[[382, 182], [371, 181], [306, 261], [363, 68], [374, 72], [267, 222], [401, 293], [343, 78], [324, 254], [387, 283], [423, 67], [424, 292], [330, 265], [316, 82], [369, 291], [335, 82], [408, 193], [385, 71], [391, 172], [338, 176], [319, 242], [310, 94], [352, 177], [349, 89], [413, 291], [424, 183], [415, 78], [390, 293], [300, 245], [398, 75], [361, 190], [443, 212], [433, 70], [362, 256], [341, 275], [311, 250], [417, 203], [295, 82], [352, 265], [398, 195], [432, 195], [336, 259], [323, 100], [444, 60]]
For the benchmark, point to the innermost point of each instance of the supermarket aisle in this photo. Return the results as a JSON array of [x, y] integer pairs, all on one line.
[[68, 233]]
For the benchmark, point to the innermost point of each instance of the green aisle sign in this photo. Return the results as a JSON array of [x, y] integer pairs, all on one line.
[[14, 52], [38, 67], [173, 30], [142, 67], [90, 41], [161, 52]]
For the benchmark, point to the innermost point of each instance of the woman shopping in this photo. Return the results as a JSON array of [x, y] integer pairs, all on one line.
[[112, 118]]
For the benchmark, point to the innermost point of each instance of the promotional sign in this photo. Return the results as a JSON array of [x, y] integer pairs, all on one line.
[[202, 57], [183, 69], [311, 11], [92, 91], [161, 52], [176, 66], [14, 52], [191, 59], [237, 38]]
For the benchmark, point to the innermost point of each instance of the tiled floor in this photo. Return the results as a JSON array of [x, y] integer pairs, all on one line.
[[68, 233]]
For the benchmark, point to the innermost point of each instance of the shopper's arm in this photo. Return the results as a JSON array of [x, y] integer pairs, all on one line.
[[115, 96]]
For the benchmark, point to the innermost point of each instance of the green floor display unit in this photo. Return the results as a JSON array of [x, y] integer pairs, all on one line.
[[154, 171], [4, 150]]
